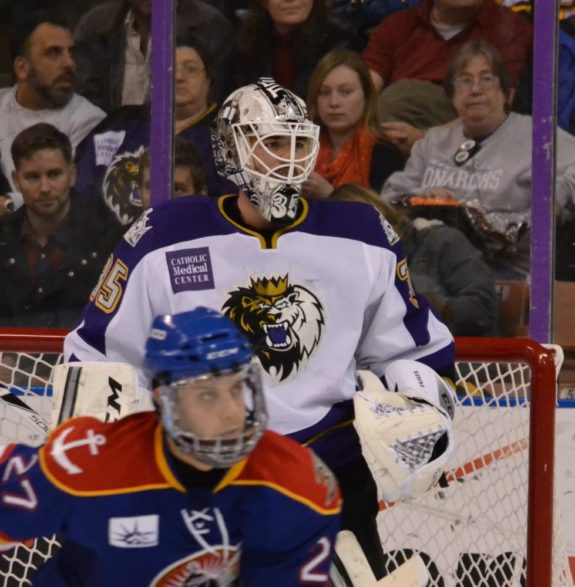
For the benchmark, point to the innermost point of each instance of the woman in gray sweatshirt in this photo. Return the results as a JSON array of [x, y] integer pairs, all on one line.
[[483, 161]]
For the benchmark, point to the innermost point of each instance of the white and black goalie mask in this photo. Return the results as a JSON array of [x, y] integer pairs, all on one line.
[[266, 145], [192, 408]]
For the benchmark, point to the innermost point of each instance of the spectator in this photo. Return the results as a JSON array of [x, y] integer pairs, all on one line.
[[484, 161], [108, 159], [53, 248], [113, 48], [363, 15], [41, 49], [444, 267], [232, 9], [343, 101], [409, 54], [286, 40], [189, 176]]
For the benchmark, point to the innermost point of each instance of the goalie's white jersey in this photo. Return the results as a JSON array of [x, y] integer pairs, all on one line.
[[320, 298]]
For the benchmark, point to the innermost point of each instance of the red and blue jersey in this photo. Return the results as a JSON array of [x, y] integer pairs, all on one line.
[[128, 513]]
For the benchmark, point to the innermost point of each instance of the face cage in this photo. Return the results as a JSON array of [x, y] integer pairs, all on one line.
[[275, 191], [218, 453]]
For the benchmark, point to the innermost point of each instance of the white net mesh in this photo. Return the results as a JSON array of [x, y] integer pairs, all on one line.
[[25, 383], [471, 532]]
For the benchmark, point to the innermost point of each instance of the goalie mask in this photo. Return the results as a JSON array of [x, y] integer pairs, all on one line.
[[208, 385], [266, 145]]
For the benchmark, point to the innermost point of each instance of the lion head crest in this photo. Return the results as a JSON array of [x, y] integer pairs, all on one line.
[[121, 184], [283, 321]]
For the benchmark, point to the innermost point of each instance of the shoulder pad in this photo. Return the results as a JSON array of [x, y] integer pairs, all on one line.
[[293, 470], [85, 456]]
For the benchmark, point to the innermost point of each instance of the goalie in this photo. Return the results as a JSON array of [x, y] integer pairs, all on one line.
[[198, 493]]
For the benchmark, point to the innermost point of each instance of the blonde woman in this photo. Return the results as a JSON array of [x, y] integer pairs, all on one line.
[[343, 101]]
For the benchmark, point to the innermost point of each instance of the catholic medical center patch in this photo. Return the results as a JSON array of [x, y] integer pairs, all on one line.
[[190, 269]]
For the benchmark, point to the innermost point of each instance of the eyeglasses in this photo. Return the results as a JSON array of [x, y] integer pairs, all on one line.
[[190, 70], [465, 83]]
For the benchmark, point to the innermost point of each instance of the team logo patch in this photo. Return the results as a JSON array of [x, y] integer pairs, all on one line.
[[138, 229], [325, 477], [190, 269], [218, 567], [121, 186], [134, 532], [61, 447], [284, 322], [390, 233], [106, 145]]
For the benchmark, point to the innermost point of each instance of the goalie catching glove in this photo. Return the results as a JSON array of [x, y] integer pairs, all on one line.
[[406, 435]]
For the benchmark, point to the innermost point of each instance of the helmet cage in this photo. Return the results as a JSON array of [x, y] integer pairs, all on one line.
[[291, 169], [248, 119], [217, 452], [275, 190]]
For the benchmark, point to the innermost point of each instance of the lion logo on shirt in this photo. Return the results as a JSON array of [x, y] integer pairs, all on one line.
[[283, 321], [121, 186]]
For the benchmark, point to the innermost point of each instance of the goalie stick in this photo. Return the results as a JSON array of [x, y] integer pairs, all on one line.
[[12, 401], [351, 568]]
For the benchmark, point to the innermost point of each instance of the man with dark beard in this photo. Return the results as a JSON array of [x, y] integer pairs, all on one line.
[[44, 70]]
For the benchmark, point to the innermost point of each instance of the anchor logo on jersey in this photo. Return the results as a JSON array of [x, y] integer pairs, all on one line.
[[284, 322], [60, 448]]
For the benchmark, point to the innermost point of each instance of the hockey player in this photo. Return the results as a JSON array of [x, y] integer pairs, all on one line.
[[195, 494], [320, 287]]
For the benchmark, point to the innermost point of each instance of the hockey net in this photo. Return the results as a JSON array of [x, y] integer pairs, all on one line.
[[492, 523]]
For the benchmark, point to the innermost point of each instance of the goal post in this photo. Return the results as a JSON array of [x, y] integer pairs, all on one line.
[[493, 521], [541, 440], [491, 524]]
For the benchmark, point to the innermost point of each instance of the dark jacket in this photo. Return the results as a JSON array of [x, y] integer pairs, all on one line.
[[254, 60], [101, 43], [447, 269], [84, 240], [386, 159]]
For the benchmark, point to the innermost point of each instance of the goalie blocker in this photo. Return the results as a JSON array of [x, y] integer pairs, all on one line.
[[406, 432]]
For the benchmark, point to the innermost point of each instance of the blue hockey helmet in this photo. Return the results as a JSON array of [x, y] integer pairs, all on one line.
[[194, 343], [202, 351]]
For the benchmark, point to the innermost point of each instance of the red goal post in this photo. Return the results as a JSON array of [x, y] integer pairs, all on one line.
[[491, 373], [541, 440]]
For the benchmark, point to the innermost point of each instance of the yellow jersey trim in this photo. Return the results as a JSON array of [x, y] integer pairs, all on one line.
[[326, 432], [162, 462], [170, 480], [276, 234], [296, 497]]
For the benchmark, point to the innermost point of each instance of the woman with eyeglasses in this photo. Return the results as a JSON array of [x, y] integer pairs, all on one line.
[[108, 159], [482, 163]]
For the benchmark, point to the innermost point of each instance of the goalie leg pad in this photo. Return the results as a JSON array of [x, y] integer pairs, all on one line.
[[107, 391]]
